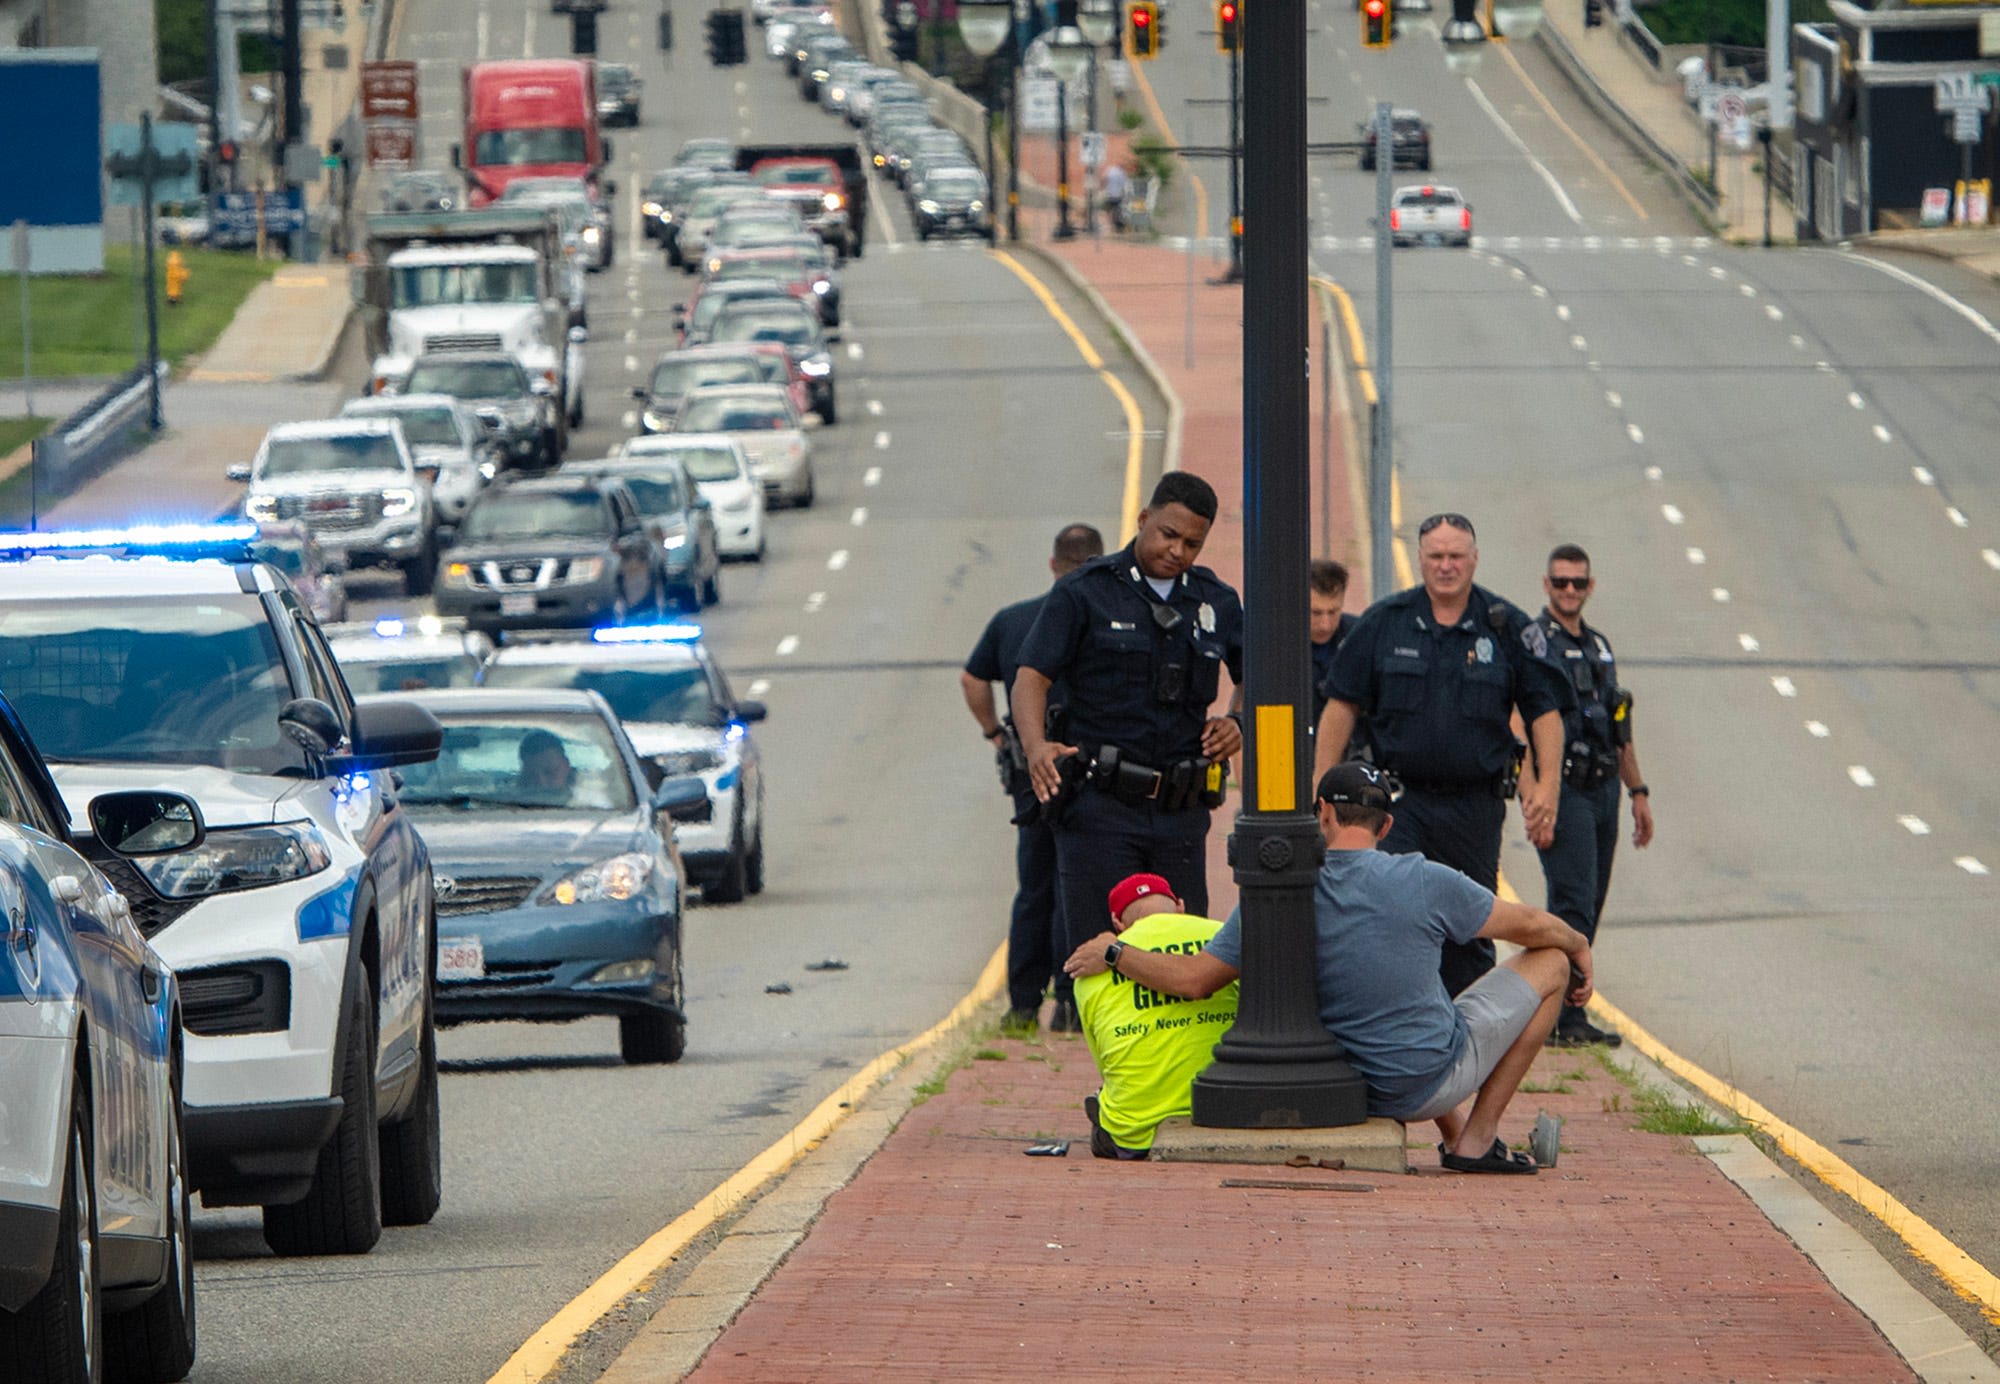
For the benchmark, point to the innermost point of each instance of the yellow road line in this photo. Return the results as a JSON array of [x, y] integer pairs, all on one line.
[[1357, 344], [539, 1356], [1135, 423], [1577, 139], [1138, 71]]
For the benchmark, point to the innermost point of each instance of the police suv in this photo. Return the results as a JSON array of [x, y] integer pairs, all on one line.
[[302, 926]]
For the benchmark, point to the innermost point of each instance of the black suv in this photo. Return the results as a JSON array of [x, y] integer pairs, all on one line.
[[1409, 145], [521, 413], [560, 551]]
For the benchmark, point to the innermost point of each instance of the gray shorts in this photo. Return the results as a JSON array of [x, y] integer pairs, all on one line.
[[1497, 1007]]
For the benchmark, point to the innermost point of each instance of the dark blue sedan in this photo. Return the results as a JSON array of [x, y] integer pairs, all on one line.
[[559, 888]]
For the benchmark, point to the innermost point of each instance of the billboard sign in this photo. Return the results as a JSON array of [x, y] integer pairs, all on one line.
[[55, 180]]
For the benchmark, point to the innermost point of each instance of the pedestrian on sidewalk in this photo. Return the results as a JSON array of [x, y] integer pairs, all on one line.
[[1117, 187], [1576, 864], [1149, 1045], [1430, 677], [1329, 624], [1381, 922], [1131, 773], [1034, 935]]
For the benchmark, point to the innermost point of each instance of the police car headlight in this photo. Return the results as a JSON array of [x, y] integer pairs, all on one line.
[[619, 878], [239, 858], [398, 501], [262, 508], [675, 763], [650, 208]]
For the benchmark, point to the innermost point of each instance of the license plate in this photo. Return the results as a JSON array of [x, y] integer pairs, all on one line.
[[461, 958], [517, 605]]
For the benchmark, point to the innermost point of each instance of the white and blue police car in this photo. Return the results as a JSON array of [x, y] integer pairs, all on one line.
[[676, 706], [302, 925], [420, 653]]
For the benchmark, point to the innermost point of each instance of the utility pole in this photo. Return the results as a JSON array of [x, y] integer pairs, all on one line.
[[1381, 450], [292, 63], [147, 168]]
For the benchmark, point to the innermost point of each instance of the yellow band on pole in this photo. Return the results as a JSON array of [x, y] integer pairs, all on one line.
[[1276, 766]]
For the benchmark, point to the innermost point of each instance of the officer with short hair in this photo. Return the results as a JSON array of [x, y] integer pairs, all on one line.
[[1034, 934], [1600, 755], [1140, 638], [1431, 676], [1327, 624]]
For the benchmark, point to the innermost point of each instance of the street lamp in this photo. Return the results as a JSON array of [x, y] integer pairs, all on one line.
[[1069, 56], [1518, 19], [1098, 21], [985, 26], [1464, 40]]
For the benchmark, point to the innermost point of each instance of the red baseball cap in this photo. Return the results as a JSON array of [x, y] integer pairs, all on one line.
[[1132, 888]]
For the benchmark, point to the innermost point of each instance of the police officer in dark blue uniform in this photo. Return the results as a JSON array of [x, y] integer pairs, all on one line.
[[1599, 756], [1140, 637], [1328, 623], [1430, 676], [1033, 936]]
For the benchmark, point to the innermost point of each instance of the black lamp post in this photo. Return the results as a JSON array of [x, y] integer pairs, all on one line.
[[1069, 58], [987, 28], [1098, 19]]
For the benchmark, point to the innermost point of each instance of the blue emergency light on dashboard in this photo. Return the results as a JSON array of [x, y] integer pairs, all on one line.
[[162, 540], [647, 634]]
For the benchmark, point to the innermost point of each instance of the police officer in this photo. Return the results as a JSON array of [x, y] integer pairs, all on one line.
[[1431, 675], [1032, 939], [1600, 755], [1328, 623], [1140, 637]]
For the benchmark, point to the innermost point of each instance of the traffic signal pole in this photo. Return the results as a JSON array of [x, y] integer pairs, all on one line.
[[1234, 274]]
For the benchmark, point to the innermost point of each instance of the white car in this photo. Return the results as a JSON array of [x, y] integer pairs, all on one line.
[[762, 418], [720, 470], [397, 655], [676, 706], [302, 925], [447, 440], [353, 482]]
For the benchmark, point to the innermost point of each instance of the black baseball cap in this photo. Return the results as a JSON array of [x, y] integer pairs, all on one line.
[[1359, 784]]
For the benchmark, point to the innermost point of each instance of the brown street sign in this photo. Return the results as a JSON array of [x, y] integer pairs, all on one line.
[[389, 91]]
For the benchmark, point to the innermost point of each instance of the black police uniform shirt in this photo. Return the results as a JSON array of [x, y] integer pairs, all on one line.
[[1434, 700], [997, 655], [1586, 662], [1322, 660], [1098, 634]]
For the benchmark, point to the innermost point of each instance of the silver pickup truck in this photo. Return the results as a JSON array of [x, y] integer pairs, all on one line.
[[1429, 215]]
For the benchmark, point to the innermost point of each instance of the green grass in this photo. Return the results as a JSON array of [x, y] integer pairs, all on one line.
[[1725, 21], [989, 1055], [84, 324], [18, 432]]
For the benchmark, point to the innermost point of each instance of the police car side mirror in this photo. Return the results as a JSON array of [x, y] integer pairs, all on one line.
[[143, 822], [389, 732], [239, 472], [750, 712]]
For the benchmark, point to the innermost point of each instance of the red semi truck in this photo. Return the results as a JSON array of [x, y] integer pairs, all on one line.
[[529, 118]]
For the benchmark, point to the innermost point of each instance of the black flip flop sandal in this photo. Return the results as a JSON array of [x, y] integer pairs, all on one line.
[[1498, 1159]]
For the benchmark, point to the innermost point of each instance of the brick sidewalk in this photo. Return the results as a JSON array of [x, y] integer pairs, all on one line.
[[953, 1256]]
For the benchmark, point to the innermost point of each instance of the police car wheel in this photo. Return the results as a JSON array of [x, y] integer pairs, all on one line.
[[412, 1161], [727, 884], [645, 1039], [156, 1340], [59, 1335], [753, 865], [342, 1211]]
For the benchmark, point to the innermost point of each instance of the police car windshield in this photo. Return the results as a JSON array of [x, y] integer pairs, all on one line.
[[310, 456], [158, 680], [407, 674], [509, 762], [536, 514], [664, 693]]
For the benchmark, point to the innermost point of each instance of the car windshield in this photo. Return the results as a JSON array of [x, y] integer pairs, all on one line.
[[433, 426], [763, 231], [449, 285], [307, 456], [777, 368], [709, 463], [613, 74], [792, 328], [792, 171], [705, 151], [673, 376], [526, 760], [709, 306], [543, 144], [953, 188], [155, 680], [731, 415], [408, 674], [675, 693], [710, 201], [516, 514], [1430, 197], [758, 267], [467, 379], [658, 494]]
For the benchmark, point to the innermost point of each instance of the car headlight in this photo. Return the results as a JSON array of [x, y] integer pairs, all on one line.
[[833, 201], [819, 367], [822, 286], [619, 878], [658, 422], [674, 763], [650, 208], [975, 205], [714, 265], [671, 541], [262, 508], [592, 234], [586, 568], [928, 207], [239, 858], [488, 470], [623, 972], [397, 501]]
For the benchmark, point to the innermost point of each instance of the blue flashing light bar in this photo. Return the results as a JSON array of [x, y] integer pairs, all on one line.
[[188, 540], [389, 627], [647, 634]]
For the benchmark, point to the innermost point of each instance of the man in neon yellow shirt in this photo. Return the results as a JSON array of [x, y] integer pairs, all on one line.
[[1149, 1046]]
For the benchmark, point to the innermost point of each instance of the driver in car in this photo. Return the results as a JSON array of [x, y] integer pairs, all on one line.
[[546, 775]]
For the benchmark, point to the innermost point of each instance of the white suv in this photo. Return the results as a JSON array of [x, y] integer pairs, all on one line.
[[302, 928]]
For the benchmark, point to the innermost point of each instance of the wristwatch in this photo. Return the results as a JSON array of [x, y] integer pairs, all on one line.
[[1642, 791], [1112, 953]]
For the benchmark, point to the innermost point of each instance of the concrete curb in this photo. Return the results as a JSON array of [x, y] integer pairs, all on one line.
[[1170, 455]]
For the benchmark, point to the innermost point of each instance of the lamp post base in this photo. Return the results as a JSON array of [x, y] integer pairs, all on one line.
[[1279, 1095]]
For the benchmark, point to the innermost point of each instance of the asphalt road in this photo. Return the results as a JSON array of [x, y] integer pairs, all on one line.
[[967, 439]]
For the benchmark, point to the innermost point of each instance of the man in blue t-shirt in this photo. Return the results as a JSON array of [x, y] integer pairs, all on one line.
[[1381, 922]]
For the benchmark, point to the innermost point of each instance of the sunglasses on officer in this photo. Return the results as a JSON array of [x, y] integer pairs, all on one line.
[[1570, 583], [1457, 521]]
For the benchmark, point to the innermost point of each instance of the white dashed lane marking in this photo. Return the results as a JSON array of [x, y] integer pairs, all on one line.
[[837, 561], [1856, 401], [1749, 643], [759, 687], [1916, 826], [872, 476], [1798, 343], [1784, 686], [1817, 730], [1992, 558], [1632, 431], [814, 602], [1774, 312], [1971, 865], [1956, 515], [874, 408], [1697, 556], [1881, 433], [1860, 775], [1672, 514], [788, 646], [859, 517], [881, 442], [1923, 475], [854, 350], [628, 420], [1721, 595], [1654, 473], [1614, 398]]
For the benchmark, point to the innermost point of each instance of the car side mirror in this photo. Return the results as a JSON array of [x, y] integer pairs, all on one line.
[[542, 387], [579, 334], [240, 472], [311, 724], [683, 798], [751, 712], [143, 822], [390, 732], [639, 391]]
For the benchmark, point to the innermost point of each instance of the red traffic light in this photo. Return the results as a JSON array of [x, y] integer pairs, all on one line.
[[1141, 19], [1228, 12], [1374, 9]]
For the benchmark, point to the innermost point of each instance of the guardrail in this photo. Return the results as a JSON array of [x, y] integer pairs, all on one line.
[[96, 433], [1606, 105]]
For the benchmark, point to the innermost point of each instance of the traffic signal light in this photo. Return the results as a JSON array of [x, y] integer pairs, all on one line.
[[725, 38], [1143, 18], [1378, 23], [1228, 26]]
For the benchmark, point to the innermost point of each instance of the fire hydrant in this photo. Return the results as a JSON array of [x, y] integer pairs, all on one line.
[[177, 277]]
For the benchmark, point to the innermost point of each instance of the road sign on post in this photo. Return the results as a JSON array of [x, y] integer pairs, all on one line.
[[389, 91]]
